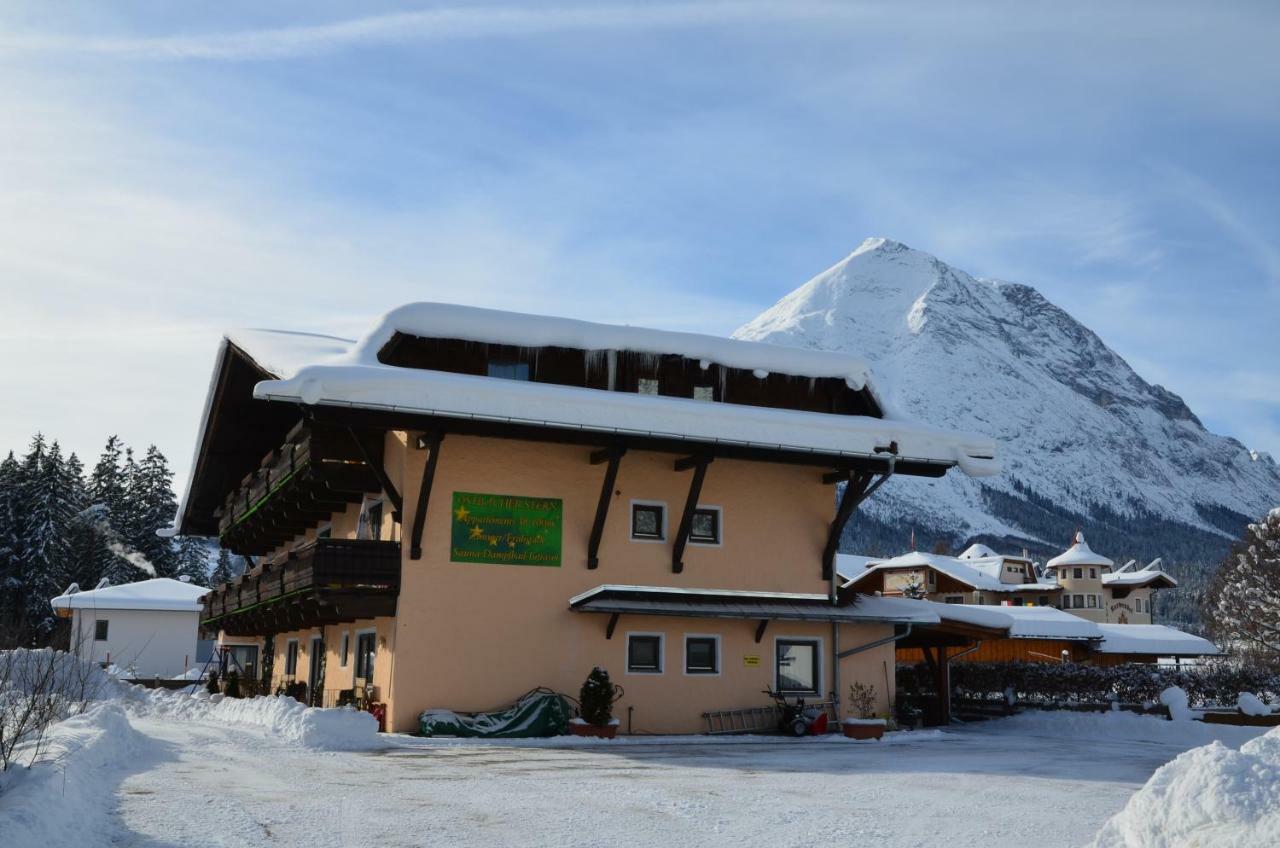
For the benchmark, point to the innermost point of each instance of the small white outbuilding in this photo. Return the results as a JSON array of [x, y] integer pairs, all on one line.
[[148, 629]]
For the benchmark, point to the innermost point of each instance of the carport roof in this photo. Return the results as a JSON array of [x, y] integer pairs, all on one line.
[[729, 603]]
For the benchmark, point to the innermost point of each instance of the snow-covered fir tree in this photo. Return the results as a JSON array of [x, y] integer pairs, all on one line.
[[1243, 603], [58, 526], [223, 571]]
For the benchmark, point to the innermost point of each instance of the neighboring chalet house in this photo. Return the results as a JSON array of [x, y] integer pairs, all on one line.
[[145, 629], [1079, 581], [1090, 589], [468, 504], [977, 576], [1076, 610]]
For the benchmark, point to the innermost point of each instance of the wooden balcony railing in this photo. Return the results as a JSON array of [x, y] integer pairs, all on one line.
[[313, 475], [326, 581]]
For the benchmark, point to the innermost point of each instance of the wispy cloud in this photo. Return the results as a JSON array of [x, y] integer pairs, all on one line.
[[1263, 249], [432, 25]]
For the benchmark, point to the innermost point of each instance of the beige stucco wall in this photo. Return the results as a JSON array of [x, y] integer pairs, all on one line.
[[474, 637]]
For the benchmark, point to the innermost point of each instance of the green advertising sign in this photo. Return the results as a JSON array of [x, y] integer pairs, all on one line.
[[506, 529]]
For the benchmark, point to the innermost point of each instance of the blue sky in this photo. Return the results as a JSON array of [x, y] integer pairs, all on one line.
[[167, 171]]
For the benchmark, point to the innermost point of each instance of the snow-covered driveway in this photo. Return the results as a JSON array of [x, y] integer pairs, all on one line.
[[1015, 782]]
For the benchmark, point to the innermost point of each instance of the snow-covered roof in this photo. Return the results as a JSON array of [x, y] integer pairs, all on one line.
[[1021, 622], [1079, 554], [978, 551], [159, 593], [1154, 640], [981, 574], [318, 370], [1145, 576], [850, 566]]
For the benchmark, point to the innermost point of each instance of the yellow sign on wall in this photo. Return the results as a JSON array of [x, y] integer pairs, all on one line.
[[750, 661]]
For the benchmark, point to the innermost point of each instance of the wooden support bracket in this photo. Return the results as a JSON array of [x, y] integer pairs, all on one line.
[[699, 465], [613, 623], [614, 457], [432, 441], [764, 622]]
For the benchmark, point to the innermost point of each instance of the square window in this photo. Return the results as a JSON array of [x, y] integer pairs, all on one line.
[[508, 370], [646, 386], [796, 667], [1044, 600], [100, 630], [644, 654], [1078, 601], [704, 393], [701, 655], [1078, 573], [705, 527], [954, 599], [647, 521]]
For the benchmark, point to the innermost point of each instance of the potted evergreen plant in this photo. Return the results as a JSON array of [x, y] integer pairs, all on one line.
[[595, 705], [862, 702]]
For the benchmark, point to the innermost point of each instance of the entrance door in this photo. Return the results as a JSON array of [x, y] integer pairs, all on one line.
[[315, 683]]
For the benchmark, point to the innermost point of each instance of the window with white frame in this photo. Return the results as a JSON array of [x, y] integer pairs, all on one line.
[[648, 521], [796, 668], [1078, 601], [1093, 602], [644, 653], [701, 654], [705, 527], [291, 658], [100, 629]]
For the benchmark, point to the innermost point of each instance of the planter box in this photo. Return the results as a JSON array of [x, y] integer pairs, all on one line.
[[608, 731], [870, 728]]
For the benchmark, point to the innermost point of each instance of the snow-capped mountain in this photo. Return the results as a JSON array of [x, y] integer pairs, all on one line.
[[1083, 438]]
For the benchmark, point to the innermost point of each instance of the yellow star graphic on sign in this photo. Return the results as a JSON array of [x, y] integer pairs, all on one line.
[[477, 532], [493, 541], [461, 513]]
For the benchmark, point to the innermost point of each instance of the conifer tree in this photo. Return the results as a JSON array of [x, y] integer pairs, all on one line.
[[150, 492], [48, 508], [193, 560], [596, 698], [222, 571], [11, 595]]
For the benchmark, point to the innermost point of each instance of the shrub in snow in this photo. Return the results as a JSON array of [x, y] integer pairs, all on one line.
[[1249, 704], [39, 688], [232, 689], [596, 697], [1176, 701], [1067, 683], [862, 699], [212, 684], [1208, 796]]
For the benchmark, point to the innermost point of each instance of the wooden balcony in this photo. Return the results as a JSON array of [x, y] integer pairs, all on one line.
[[313, 475], [328, 581]]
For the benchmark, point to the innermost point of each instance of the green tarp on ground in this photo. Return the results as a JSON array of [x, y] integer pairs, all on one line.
[[540, 713]]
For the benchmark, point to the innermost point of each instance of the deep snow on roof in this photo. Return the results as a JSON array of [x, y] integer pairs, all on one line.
[[981, 574], [322, 370], [159, 593], [1079, 554], [1155, 639], [1022, 622]]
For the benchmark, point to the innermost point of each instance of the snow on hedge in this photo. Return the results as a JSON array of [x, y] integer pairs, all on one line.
[[1211, 795], [337, 729]]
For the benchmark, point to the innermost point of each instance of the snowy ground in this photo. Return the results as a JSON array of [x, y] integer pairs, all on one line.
[[1013, 782]]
